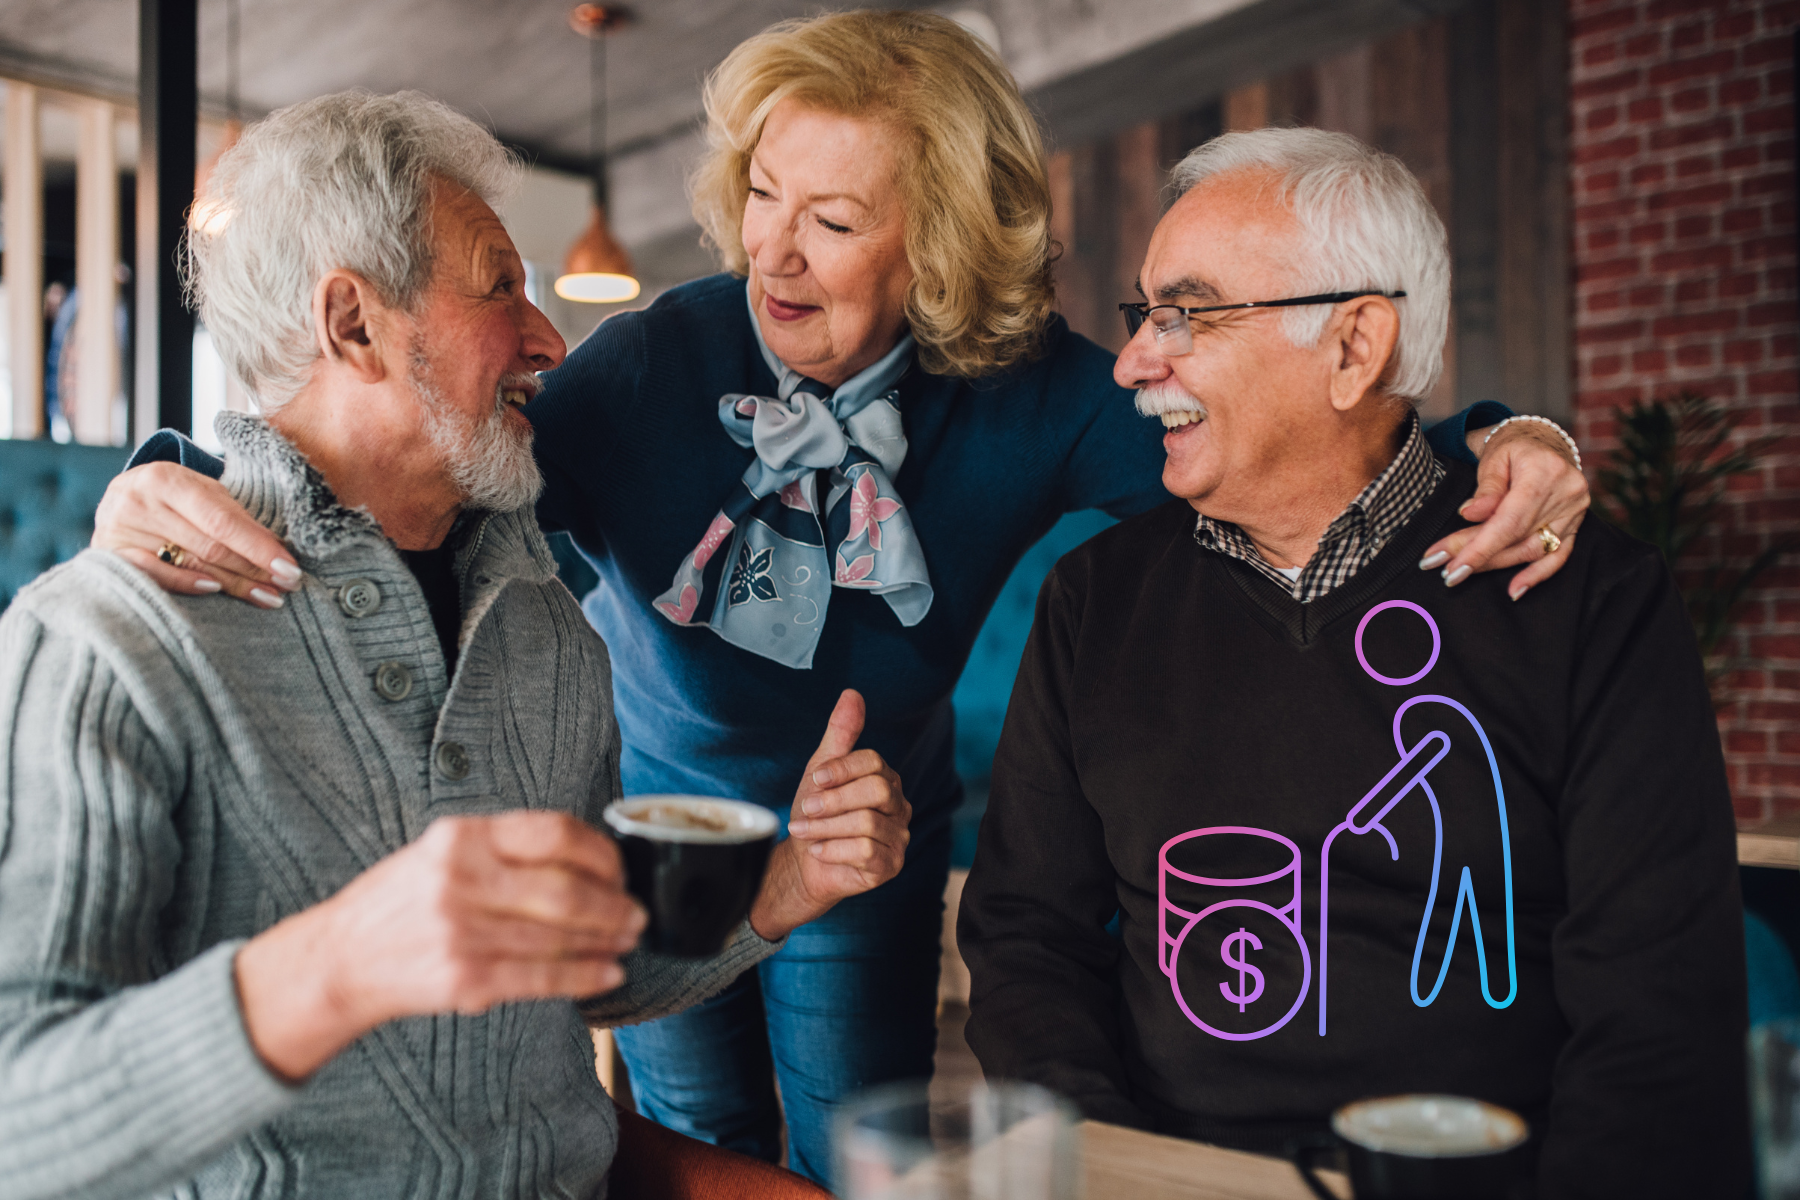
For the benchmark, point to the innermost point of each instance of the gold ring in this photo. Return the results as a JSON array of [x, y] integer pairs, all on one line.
[[1548, 540], [172, 554]]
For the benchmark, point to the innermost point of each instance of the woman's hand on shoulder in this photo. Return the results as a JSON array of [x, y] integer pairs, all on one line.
[[214, 544], [847, 831], [1527, 483]]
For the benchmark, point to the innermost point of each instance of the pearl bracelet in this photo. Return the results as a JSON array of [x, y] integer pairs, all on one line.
[[1560, 432]]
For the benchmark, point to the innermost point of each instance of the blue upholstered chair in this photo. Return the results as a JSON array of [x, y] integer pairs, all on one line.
[[986, 684], [47, 497], [1774, 981]]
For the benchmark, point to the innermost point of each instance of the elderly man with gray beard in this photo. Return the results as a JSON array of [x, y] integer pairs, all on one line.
[[307, 899], [1277, 822]]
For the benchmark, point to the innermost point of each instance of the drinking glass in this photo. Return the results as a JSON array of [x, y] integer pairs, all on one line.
[[1775, 1106], [985, 1141]]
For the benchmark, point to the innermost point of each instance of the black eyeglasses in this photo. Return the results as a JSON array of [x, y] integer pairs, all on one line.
[[1175, 337]]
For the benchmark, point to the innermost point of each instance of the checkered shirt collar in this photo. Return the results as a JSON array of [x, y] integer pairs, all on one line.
[[1356, 536]]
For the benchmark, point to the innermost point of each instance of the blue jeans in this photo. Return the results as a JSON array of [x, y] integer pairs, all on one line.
[[848, 1003]]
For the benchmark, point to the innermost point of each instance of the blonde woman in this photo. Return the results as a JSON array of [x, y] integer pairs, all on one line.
[[815, 471]]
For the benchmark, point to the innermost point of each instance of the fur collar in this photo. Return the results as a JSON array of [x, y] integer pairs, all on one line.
[[269, 476], [276, 485]]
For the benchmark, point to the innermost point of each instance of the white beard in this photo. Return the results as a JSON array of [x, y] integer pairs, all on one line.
[[1167, 396], [490, 463]]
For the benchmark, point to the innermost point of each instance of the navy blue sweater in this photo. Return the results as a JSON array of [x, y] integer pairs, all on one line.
[[636, 465]]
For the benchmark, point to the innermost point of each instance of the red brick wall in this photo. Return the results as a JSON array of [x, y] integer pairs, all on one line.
[[1682, 165]]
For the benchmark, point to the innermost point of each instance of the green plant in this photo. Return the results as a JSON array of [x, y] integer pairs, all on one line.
[[1665, 484]]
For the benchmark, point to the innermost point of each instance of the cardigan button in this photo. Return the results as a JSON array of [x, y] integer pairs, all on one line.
[[452, 760], [359, 597], [393, 681]]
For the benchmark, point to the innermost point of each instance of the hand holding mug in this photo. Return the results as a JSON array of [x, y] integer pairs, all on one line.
[[477, 911], [847, 830]]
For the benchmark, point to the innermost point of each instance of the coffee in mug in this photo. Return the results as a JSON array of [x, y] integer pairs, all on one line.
[[1424, 1147], [696, 864]]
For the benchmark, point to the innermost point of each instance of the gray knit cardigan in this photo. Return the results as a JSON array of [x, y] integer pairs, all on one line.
[[179, 773]]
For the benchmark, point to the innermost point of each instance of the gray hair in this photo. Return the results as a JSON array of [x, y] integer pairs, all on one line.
[[343, 181], [1365, 223]]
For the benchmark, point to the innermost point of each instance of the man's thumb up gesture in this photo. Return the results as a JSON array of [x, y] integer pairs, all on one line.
[[846, 832]]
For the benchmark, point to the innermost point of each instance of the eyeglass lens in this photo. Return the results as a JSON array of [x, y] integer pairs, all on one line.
[[1174, 336]]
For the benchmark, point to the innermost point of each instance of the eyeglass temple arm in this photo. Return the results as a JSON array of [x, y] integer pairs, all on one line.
[[1143, 306], [1329, 298]]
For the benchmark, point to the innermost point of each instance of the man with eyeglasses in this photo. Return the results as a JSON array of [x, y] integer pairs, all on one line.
[[1277, 823]]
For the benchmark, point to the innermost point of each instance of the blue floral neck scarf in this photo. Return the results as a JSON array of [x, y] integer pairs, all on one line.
[[816, 509]]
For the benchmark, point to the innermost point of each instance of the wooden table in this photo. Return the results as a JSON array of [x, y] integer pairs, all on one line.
[[1133, 1165], [1773, 843]]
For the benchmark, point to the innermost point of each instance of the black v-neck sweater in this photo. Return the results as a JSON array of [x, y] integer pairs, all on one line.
[[1265, 791]]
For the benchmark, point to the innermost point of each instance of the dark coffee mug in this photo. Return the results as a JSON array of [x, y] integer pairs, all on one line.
[[696, 864], [1422, 1148]]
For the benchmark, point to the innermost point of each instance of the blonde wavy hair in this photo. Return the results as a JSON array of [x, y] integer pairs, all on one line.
[[974, 187]]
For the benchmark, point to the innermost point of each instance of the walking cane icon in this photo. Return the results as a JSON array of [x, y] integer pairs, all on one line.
[[1409, 776]]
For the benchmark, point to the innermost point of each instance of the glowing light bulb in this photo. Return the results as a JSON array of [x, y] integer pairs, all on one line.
[[597, 287]]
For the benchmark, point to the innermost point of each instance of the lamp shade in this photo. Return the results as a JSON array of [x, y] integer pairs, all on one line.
[[597, 270]]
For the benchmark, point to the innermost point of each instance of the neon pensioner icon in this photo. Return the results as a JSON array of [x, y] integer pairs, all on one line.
[[1407, 777]]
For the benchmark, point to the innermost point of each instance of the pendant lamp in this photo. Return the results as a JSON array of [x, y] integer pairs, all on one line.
[[597, 270]]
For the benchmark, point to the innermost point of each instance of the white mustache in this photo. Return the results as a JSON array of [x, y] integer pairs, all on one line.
[[1167, 397]]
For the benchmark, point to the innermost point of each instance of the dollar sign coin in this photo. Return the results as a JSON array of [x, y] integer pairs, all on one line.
[[1232, 951]]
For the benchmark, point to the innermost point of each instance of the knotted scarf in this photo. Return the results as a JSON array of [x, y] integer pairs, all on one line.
[[815, 509]]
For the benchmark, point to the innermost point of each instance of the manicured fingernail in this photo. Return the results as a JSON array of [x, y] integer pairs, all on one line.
[[817, 849], [266, 598], [1463, 505], [812, 806], [798, 828], [204, 584], [1434, 560], [286, 573], [822, 776], [1452, 578]]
